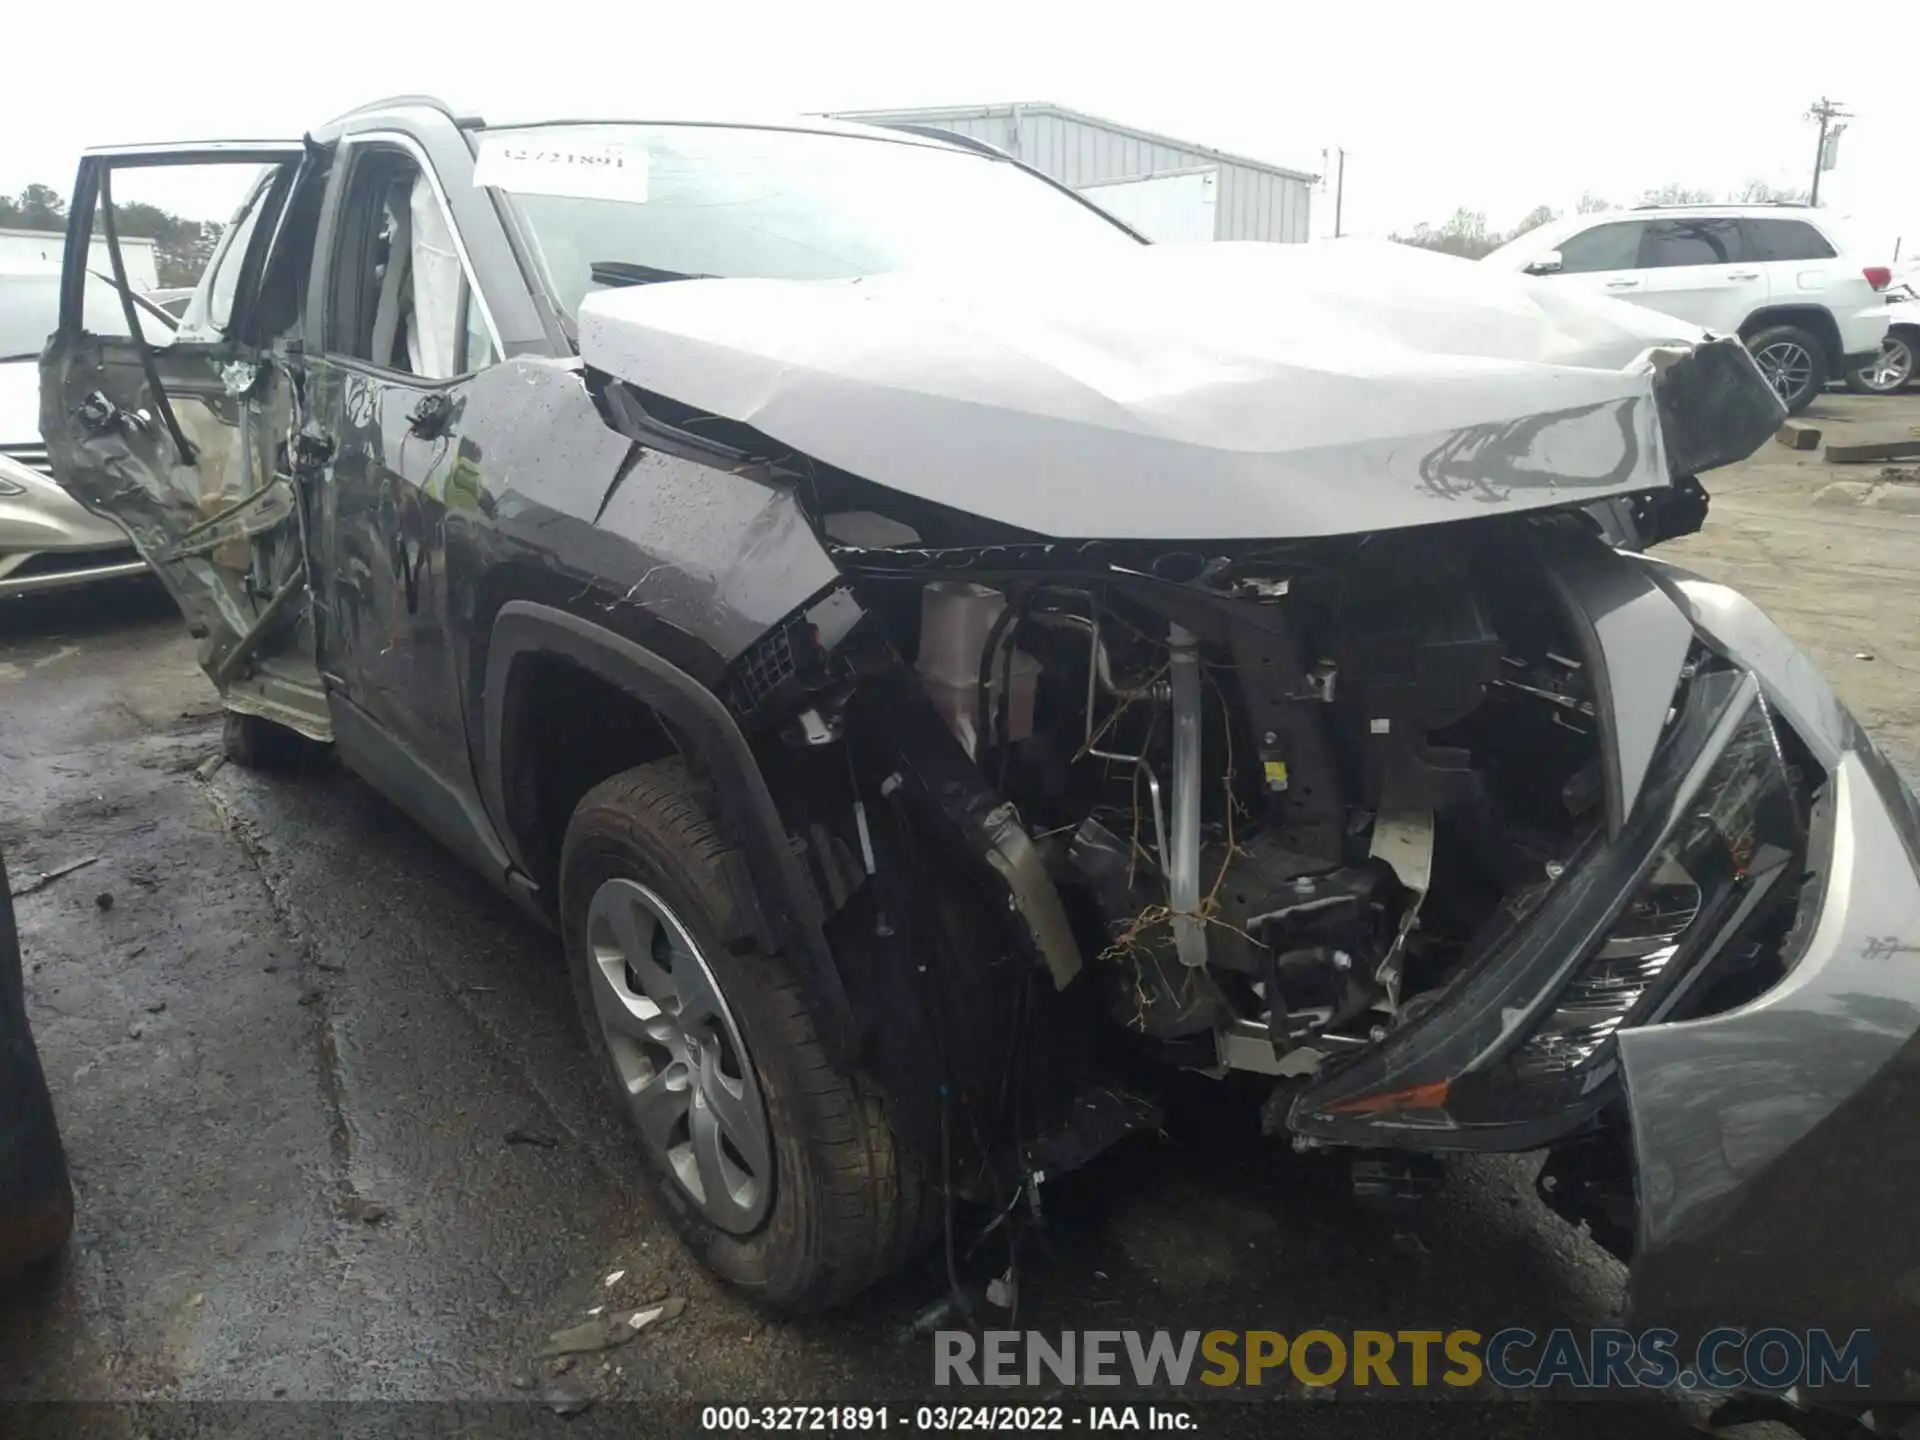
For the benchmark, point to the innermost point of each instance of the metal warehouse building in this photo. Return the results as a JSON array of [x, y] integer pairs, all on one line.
[[1156, 183]]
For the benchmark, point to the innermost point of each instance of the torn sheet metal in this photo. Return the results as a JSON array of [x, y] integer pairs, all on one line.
[[1202, 392], [1637, 641], [218, 530], [1403, 840]]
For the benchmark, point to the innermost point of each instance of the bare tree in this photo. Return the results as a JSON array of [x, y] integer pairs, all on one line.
[[1763, 192], [1674, 193], [1532, 220], [1592, 204], [1466, 234]]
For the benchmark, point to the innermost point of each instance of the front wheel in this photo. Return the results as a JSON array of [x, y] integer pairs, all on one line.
[[780, 1172], [1794, 363], [1890, 371], [255, 743]]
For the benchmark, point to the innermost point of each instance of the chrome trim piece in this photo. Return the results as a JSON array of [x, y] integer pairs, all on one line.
[[68, 579]]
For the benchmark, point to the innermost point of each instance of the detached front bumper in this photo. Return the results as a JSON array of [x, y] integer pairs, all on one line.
[[1775, 1140], [1777, 1145]]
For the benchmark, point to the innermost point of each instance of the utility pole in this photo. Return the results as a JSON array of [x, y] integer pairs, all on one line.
[[1339, 190], [1826, 112]]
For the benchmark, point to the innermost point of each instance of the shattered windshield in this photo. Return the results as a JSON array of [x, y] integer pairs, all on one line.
[[626, 204]]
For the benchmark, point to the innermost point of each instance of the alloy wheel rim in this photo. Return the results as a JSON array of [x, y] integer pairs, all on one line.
[[684, 1069], [1891, 368], [1787, 366]]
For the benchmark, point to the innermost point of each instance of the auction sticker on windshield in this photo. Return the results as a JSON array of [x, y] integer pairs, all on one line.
[[530, 165]]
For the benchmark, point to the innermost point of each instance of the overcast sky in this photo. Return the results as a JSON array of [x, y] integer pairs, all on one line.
[[1496, 106]]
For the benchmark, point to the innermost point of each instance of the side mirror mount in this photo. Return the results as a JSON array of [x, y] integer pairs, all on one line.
[[1547, 264]]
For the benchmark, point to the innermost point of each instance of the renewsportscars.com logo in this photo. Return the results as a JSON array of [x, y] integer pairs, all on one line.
[[1514, 1358]]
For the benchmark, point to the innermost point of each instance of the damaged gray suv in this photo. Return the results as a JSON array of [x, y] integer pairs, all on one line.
[[928, 652]]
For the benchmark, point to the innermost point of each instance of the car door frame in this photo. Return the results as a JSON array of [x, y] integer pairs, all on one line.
[[1620, 283], [1722, 280], [96, 437], [438, 786]]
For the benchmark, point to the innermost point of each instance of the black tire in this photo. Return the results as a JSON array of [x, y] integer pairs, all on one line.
[[1779, 340], [259, 744], [849, 1203], [1900, 348]]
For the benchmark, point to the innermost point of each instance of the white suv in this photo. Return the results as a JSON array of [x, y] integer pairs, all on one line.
[[1777, 276]]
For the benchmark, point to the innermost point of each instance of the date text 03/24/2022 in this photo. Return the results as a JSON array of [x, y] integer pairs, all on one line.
[[943, 1419]]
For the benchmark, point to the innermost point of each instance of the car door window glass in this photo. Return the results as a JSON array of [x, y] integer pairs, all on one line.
[[401, 283], [1605, 247], [479, 352], [1788, 240], [226, 272], [1703, 241], [281, 296]]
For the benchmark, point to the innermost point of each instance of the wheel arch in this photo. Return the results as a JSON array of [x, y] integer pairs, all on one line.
[[769, 884], [1814, 319]]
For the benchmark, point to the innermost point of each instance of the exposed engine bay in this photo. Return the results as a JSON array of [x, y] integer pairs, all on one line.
[[1247, 800], [1254, 806]]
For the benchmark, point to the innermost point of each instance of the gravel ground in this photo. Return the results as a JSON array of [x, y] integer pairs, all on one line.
[[334, 1136]]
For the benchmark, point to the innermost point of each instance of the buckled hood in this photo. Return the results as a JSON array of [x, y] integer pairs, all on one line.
[[1177, 392]]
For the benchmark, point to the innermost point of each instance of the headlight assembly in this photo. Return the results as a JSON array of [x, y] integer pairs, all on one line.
[[1729, 847], [1631, 928]]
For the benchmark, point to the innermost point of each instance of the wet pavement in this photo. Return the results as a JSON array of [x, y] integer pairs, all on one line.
[[334, 1135]]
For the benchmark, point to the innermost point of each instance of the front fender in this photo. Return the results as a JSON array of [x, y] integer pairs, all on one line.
[[774, 892]]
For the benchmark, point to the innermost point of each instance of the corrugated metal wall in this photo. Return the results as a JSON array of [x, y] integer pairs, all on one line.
[[1254, 204]]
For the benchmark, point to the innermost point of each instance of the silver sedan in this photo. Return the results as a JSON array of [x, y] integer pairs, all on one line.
[[48, 540]]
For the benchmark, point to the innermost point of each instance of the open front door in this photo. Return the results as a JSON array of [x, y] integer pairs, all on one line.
[[188, 439]]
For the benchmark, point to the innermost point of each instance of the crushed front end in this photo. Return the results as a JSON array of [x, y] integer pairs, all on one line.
[[1440, 821]]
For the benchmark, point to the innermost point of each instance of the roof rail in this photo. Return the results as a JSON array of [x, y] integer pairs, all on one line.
[[399, 102], [1722, 205]]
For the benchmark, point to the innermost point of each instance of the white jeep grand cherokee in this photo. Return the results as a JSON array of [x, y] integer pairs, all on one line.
[[1777, 276]]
